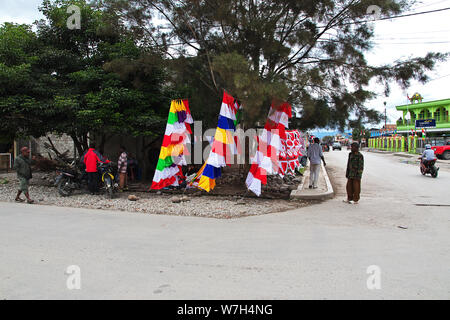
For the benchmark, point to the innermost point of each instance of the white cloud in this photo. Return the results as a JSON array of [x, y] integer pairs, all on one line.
[[407, 37], [20, 11]]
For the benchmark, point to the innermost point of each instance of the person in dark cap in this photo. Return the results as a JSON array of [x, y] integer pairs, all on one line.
[[355, 168]]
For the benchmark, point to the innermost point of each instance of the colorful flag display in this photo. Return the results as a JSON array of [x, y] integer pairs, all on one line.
[[171, 157], [291, 150], [223, 146], [265, 161]]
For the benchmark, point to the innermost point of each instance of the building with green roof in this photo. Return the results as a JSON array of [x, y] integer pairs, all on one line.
[[432, 110]]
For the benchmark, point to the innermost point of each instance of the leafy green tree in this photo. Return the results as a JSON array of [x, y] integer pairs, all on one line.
[[96, 80], [25, 91], [328, 139], [311, 53], [110, 85], [360, 133]]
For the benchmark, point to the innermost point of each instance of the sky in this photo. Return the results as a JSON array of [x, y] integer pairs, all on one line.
[[395, 39]]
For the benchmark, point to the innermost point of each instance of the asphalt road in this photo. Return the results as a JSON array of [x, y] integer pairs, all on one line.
[[401, 226]]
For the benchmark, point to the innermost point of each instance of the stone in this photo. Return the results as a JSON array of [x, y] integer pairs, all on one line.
[[159, 193], [175, 199], [185, 198], [241, 202], [132, 197]]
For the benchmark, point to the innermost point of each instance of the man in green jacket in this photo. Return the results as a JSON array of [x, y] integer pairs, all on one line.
[[22, 165], [355, 168]]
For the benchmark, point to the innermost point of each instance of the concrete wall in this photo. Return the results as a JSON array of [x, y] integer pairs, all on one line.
[[62, 143], [147, 156]]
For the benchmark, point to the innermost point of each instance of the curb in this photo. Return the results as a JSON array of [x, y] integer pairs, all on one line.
[[296, 194], [404, 155]]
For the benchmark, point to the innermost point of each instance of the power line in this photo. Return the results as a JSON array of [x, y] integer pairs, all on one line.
[[420, 32], [447, 75], [411, 38], [426, 42], [399, 16], [418, 39], [430, 4]]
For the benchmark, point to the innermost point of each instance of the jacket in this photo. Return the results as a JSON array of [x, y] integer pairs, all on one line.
[[22, 165], [91, 158], [355, 166]]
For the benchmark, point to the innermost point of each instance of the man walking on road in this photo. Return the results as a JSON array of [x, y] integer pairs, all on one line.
[[355, 168], [315, 154], [22, 165]]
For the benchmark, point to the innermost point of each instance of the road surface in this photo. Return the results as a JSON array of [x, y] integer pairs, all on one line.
[[319, 252]]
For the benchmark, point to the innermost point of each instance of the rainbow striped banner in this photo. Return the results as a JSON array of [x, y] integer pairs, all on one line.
[[171, 157], [223, 146]]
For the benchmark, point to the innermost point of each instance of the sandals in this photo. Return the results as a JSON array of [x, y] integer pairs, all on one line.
[[22, 200]]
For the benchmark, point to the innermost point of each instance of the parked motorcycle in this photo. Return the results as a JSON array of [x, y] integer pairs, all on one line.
[[429, 168], [108, 179], [70, 178]]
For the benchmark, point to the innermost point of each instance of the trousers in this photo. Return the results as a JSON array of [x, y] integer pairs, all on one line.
[[353, 189], [314, 172], [92, 182]]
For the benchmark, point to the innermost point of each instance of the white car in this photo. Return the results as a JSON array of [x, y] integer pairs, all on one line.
[[337, 145]]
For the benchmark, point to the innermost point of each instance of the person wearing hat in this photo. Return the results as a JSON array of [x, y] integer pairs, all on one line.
[[22, 165], [355, 168], [428, 155]]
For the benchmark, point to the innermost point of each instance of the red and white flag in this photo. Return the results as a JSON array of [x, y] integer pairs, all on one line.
[[265, 161]]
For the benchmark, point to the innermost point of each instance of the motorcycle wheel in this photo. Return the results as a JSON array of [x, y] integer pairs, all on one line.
[[109, 188], [422, 170], [64, 188], [434, 173]]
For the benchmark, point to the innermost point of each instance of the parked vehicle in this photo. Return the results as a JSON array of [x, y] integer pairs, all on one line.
[[108, 179], [442, 152], [74, 177], [70, 178], [337, 145], [429, 168]]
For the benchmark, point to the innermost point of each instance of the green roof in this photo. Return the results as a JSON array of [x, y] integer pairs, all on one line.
[[435, 103]]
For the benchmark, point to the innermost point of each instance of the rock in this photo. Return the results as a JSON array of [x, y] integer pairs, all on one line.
[[293, 187], [159, 193], [241, 201], [185, 198], [175, 199], [132, 197]]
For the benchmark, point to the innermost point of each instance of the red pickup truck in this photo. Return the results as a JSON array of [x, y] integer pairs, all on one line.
[[442, 152]]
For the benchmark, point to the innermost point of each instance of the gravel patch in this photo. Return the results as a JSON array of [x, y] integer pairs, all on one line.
[[42, 191]]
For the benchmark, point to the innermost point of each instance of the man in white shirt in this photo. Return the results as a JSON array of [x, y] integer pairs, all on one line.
[[315, 154]]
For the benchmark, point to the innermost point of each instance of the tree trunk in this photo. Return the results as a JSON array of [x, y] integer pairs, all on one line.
[[78, 144]]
